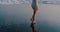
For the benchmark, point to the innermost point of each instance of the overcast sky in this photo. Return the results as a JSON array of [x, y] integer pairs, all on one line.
[[50, 0], [21, 1]]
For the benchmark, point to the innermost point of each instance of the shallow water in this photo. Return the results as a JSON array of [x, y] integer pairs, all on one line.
[[16, 18]]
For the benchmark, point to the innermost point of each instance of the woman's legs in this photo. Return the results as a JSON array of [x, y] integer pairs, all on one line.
[[33, 16], [32, 19]]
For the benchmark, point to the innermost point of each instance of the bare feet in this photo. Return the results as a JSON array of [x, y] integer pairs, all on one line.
[[33, 20]]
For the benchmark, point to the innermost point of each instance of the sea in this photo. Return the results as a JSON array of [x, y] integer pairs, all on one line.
[[16, 18]]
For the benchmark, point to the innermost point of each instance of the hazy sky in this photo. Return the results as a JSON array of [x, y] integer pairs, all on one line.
[[50, 0], [22, 1]]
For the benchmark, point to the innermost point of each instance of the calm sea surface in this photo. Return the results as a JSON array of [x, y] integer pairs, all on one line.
[[16, 18]]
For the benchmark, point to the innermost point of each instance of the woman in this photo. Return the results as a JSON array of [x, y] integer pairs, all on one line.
[[35, 8]]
